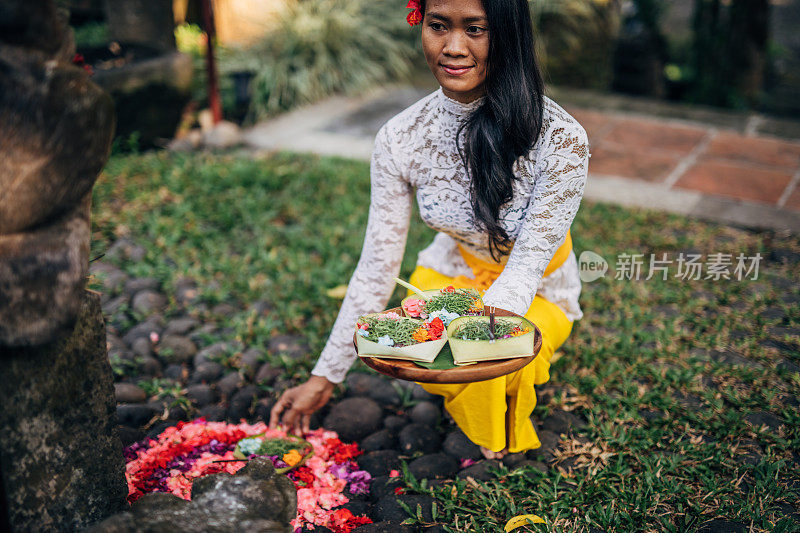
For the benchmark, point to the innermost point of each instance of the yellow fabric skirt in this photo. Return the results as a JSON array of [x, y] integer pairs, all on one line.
[[496, 413]]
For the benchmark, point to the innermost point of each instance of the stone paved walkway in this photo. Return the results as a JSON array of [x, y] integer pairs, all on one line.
[[703, 164]]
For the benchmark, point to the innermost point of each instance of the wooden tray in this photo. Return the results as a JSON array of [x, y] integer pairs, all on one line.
[[407, 370]]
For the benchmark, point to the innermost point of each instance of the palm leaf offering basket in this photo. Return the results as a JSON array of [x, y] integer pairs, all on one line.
[[466, 351], [480, 371], [422, 351]]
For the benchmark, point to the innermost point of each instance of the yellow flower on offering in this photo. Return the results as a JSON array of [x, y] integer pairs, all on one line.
[[421, 335], [517, 332], [292, 458]]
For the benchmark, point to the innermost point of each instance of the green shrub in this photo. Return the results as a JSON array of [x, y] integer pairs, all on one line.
[[575, 40], [321, 47]]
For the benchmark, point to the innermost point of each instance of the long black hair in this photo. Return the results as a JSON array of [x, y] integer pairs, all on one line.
[[507, 124]]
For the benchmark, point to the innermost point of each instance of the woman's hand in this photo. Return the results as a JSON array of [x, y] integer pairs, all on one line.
[[296, 405]]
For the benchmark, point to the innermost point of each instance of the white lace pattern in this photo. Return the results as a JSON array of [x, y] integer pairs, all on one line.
[[416, 150]]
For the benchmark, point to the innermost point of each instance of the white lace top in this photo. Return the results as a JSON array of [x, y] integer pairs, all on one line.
[[416, 150]]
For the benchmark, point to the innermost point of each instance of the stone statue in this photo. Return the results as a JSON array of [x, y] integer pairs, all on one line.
[[61, 465]]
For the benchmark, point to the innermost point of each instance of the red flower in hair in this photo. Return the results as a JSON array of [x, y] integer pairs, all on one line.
[[415, 17]]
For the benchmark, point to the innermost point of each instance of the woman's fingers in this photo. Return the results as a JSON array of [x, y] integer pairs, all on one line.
[[277, 409], [306, 420]]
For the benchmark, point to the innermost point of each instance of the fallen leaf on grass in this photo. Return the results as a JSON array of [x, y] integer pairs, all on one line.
[[337, 292]]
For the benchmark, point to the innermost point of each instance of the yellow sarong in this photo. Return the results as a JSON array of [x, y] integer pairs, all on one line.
[[496, 413]]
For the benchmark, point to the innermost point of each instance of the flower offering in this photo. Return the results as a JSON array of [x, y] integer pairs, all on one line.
[[472, 340], [448, 303], [394, 336], [320, 466]]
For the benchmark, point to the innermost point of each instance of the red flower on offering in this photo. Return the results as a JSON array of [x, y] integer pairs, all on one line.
[[344, 521], [415, 17], [436, 326], [78, 60], [449, 288]]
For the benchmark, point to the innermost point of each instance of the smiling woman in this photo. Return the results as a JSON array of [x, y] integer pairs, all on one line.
[[499, 171]]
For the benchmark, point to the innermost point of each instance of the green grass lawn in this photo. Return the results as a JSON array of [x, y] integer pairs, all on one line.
[[690, 388]]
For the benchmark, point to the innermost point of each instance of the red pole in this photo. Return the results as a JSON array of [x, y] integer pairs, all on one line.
[[211, 67]]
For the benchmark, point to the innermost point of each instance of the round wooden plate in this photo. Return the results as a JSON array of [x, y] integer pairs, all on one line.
[[407, 370]]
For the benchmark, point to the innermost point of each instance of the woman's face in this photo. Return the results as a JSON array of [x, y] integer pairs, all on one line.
[[455, 40]]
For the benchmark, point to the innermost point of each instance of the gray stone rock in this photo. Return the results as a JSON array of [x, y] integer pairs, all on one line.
[[242, 403], [113, 305], [722, 526], [425, 413], [354, 418], [250, 361], [267, 374], [361, 384], [383, 527], [437, 465], [260, 308], [229, 383], [181, 326], [482, 470], [379, 463], [562, 422], [201, 395], [511, 460], [223, 310], [135, 415], [60, 452], [143, 329], [176, 372], [550, 441], [147, 302], [388, 509], [207, 372], [134, 285], [291, 345], [418, 393], [459, 446], [142, 347], [176, 349], [395, 423], [764, 418], [149, 366], [186, 291], [256, 498], [112, 278], [125, 250], [216, 412], [380, 440], [128, 393], [418, 438]]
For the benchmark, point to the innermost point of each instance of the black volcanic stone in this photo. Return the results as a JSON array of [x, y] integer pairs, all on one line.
[[358, 508], [360, 384], [129, 435], [241, 402], [201, 395], [215, 413], [437, 465], [459, 446], [135, 415], [388, 509], [480, 470], [722, 526], [418, 438], [380, 440], [395, 423], [549, 442], [562, 422], [383, 527], [354, 418], [382, 486], [379, 463], [511, 460], [425, 413], [207, 372]]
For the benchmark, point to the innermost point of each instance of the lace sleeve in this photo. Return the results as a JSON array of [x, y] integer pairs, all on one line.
[[371, 285], [560, 174]]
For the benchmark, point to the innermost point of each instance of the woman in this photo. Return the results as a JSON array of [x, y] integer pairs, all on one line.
[[499, 170]]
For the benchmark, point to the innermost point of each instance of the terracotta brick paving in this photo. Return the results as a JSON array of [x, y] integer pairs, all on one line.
[[692, 157]]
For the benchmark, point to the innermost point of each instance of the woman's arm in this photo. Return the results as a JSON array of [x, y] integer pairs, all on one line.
[[560, 177], [371, 285]]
